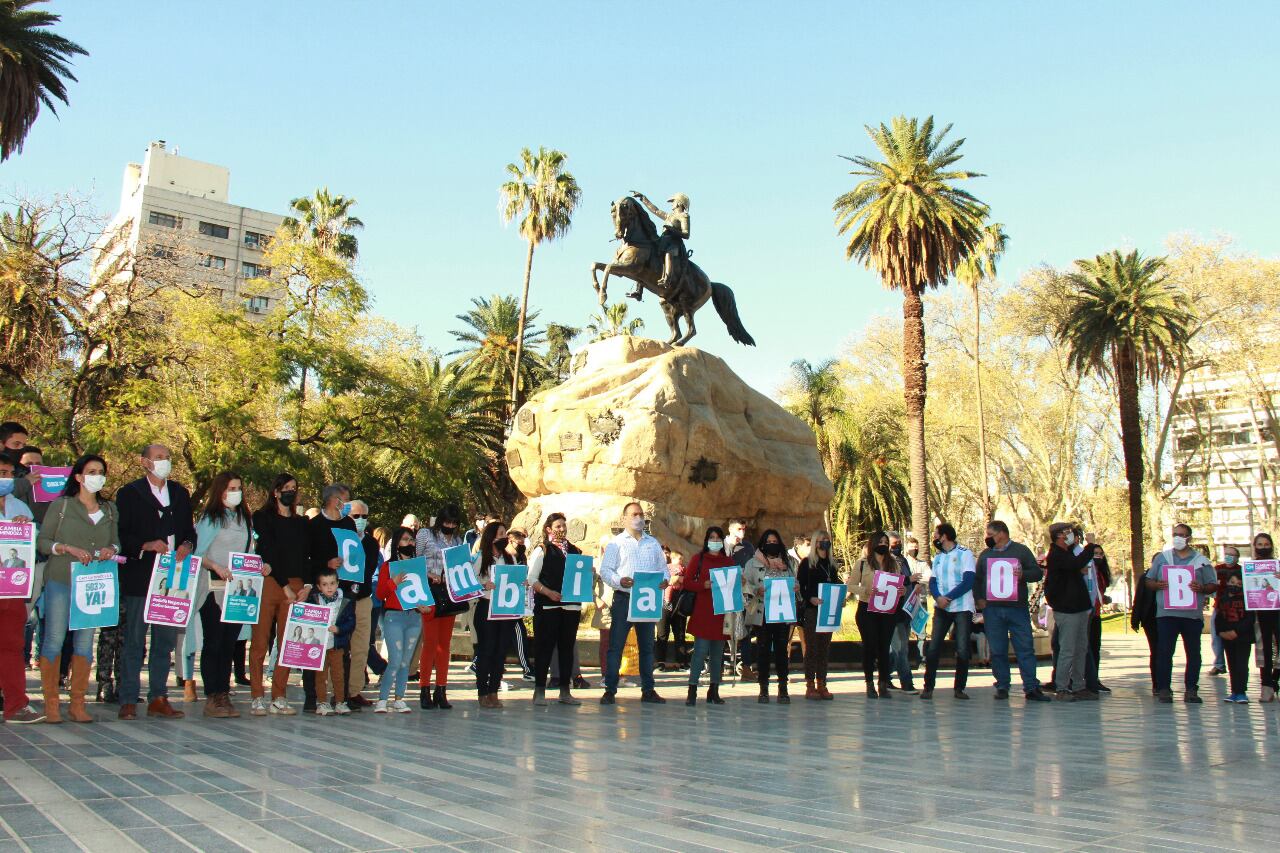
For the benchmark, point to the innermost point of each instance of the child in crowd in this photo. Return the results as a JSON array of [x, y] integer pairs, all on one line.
[[326, 592], [1234, 624]]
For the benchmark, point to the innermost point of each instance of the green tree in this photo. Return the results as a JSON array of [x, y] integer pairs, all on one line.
[[907, 220], [612, 323], [543, 196], [491, 348], [973, 271], [1126, 323], [870, 479], [35, 65], [816, 396], [558, 354], [326, 222]]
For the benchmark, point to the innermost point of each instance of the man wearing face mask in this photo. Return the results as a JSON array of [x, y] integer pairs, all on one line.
[[155, 519], [1007, 621], [629, 552], [899, 647], [360, 592], [1185, 624], [951, 586], [322, 546], [1067, 592]]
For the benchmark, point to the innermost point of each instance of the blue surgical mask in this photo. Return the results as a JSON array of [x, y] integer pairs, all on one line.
[[346, 509], [715, 547], [1229, 559], [6, 486], [361, 524]]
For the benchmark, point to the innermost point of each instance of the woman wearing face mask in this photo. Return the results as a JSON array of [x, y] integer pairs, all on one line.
[[281, 534], [555, 623], [222, 528], [400, 628], [707, 628], [78, 527], [437, 626], [1268, 627], [492, 637], [1234, 624], [816, 569], [876, 628], [769, 561]]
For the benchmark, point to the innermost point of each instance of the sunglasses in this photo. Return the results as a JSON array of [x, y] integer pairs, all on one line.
[[357, 515]]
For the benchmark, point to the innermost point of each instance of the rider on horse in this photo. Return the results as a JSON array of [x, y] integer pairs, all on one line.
[[675, 230]]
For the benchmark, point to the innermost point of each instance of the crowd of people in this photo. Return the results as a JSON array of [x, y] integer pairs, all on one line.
[[989, 593]]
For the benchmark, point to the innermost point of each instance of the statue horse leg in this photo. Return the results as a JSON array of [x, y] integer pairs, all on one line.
[[601, 287], [673, 320]]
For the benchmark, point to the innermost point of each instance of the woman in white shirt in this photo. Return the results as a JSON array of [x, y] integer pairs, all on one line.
[[555, 623]]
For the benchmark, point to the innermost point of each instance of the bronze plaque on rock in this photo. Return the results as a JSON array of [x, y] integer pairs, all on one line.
[[513, 458], [526, 421], [571, 441]]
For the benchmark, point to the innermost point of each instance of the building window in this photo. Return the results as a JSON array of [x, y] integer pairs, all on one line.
[[254, 240], [208, 229], [213, 262], [248, 269], [257, 304], [164, 220]]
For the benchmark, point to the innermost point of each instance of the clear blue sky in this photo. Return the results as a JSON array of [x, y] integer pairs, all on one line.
[[1099, 125]]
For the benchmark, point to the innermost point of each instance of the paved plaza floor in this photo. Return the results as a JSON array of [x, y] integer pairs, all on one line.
[[1120, 774]]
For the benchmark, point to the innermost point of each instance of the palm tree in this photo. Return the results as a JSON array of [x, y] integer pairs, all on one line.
[[909, 222], [326, 221], [491, 338], [543, 196], [817, 398], [613, 323], [34, 68], [559, 337], [973, 270], [871, 483], [1123, 321]]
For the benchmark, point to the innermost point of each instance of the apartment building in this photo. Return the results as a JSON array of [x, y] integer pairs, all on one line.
[[180, 207]]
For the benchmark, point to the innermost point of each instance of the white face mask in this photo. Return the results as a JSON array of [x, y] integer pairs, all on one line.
[[1179, 543], [160, 468], [361, 524], [232, 499], [636, 524], [1070, 538], [93, 483], [715, 547]]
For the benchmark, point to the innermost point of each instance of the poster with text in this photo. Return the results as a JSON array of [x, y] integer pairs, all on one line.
[[460, 578], [306, 635], [510, 593], [95, 595], [17, 558], [53, 479], [579, 579], [242, 601], [830, 607], [886, 589], [1261, 584], [172, 587]]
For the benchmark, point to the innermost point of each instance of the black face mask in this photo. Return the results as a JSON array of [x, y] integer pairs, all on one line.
[[882, 549], [1263, 553], [501, 544], [897, 549], [937, 544], [288, 498], [824, 546], [407, 550], [990, 541], [448, 529], [771, 549], [1234, 591]]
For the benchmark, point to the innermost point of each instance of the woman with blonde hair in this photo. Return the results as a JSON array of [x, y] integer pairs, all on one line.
[[816, 569]]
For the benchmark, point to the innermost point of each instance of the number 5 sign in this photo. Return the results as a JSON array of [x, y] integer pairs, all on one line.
[[1178, 595], [886, 587], [1002, 579]]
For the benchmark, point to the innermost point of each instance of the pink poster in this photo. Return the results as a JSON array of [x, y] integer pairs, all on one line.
[[1178, 595], [306, 636], [53, 479], [1261, 584], [1002, 578], [17, 558], [887, 588]]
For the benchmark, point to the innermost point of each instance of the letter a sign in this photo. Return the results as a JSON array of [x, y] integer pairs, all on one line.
[[646, 597], [1179, 595], [779, 600], [413, 590]]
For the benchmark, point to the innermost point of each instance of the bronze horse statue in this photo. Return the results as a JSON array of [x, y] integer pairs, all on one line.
[[638, 259]]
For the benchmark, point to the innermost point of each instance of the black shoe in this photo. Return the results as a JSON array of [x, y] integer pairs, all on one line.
[[885, 687], [580, 683], [909, 690], [713, 695], [1001, 693], [426, 701], [442, 699], [1165, 696], [1100, 688], [960, 694], [1036, 695], [692, 698], [784, 698], [1192, 697], [1217, 671], [871, 691], [652, 697], [927, 693], [763, 698], [608, 698], [309, 706], [1050, 687], [889, 685], [354, 707]]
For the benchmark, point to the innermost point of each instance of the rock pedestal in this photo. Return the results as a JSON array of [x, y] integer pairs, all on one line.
[[673, 428]]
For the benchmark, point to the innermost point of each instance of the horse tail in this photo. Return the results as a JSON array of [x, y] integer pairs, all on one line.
[[727, 308]]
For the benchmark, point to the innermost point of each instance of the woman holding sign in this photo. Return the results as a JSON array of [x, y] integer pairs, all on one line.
[[769, 561], [400, 628], [555, 622], [224, 527], [815, 570], [706, 626], [492, 636], [877, 581], [437, 626], [79, 528], [1268, 628]]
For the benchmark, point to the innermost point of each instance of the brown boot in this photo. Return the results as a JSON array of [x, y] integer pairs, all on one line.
[[811, 692], [79, 686], [213, 706], [189, 691], [228, 707], [823, 692], [160, 707], [49, 686]]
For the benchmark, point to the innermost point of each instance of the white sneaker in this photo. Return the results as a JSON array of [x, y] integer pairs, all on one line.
[[505, 686], [341, 709], [401, 707], [380, 707], [282, 707], [324, 709], [258, 707]]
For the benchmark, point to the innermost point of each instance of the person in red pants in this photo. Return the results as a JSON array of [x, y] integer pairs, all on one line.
[[437, 625], [13, 617]]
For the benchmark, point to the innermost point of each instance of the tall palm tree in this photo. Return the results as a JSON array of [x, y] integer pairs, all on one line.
[[543, 196], [490, 336], [907, 220], [817, 398], [1125, 322], [973, 270], [326, 221], [35, 64], [613, 323]]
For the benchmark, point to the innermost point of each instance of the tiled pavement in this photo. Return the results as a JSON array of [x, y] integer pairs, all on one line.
[[901, 775]]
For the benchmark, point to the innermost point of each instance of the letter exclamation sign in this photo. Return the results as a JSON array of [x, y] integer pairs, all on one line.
[[833, 607]]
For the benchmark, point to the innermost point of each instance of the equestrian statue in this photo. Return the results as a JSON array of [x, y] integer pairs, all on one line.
[[661, 263]]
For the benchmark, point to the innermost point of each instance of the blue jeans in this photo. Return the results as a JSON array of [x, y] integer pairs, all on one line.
[[943, 621], [1168, 630], [1004, 623], [57, 613], [900, 654], [618, 640], [1219, 653], [163, 640], [701, 648], [400, 630]]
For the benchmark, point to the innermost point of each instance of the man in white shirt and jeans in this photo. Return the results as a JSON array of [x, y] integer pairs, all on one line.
[[629, 552]]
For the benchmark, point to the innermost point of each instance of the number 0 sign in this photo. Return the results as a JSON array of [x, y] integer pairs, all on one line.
[[1002, 579], [884, 596]]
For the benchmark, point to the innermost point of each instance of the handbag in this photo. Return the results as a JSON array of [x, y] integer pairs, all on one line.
[[682, 603], [444, 605]]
